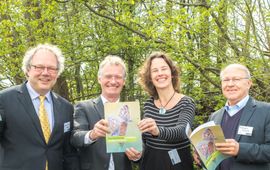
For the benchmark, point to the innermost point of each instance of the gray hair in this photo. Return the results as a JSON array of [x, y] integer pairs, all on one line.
[[52, 48], [236, 66], [112, 60]]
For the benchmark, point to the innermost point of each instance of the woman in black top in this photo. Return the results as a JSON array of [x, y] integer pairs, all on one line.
[[166, 114]]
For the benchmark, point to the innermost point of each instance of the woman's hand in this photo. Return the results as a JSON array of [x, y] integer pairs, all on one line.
[[149, 125]]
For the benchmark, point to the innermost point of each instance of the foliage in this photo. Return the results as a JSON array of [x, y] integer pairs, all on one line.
[[202, 36]]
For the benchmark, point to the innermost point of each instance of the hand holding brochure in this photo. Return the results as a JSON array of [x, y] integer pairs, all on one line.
[[203, 139], [123, 118]]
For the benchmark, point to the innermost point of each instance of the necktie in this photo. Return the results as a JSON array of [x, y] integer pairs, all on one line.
[[43, 118], [44, 121]]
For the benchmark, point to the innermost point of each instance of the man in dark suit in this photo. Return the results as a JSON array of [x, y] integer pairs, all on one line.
[[29, 142], [90, 128], [245, 123]]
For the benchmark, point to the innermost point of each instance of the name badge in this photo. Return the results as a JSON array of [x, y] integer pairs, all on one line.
[[174, 156], [66, 127], [245, 130]]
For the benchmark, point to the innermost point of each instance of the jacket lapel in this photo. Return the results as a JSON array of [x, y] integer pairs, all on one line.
[[24, 98], [99, 107], [219, 116], [246, 115], [56, 113]]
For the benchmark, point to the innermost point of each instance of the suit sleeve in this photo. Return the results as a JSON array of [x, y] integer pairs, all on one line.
[[2, 119], [71, 158], [81, 126], [256, 148]]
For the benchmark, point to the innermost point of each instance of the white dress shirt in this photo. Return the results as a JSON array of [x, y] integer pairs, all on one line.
[[87, 140]]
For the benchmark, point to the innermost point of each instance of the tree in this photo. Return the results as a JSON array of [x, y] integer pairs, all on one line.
[[201, 36]]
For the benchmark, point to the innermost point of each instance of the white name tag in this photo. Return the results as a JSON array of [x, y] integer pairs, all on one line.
[[245, 130], [66, 127], [174, 156]]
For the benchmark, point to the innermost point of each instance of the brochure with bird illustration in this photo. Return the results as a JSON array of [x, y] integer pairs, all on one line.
[[123, 118], [203, 139]]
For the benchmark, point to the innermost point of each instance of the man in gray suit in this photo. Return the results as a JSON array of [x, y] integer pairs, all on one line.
[[29, 142], [90, 127], [245, 123]]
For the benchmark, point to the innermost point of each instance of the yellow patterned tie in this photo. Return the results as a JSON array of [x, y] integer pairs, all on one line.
[[44, 121]]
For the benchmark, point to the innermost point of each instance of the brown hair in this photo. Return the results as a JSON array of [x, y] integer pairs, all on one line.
[[145, 74]]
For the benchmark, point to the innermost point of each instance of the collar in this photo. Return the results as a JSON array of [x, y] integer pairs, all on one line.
[[104, 100], [34, 95], [232, 110]]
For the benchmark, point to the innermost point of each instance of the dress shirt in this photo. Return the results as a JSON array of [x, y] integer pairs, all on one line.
[[47, 102], [232, 110], [87, 139]]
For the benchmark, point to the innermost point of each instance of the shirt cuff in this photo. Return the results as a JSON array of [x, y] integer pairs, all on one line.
[[87, 139], [136, 160]]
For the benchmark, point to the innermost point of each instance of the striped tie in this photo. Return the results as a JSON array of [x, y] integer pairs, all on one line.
[[44, 121]]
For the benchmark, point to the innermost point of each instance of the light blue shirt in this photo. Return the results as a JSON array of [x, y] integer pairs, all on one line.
[[47, 102], [232, 110]]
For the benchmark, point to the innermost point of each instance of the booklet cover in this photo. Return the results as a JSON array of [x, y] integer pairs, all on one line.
[[123, 118], [203, 139]]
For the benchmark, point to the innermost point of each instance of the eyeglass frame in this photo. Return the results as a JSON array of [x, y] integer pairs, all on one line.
[[115, 77], [41, 68], [234, 80]]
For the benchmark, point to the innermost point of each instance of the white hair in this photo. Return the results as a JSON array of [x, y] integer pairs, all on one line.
[[52, 48], [236, 66], [112, 60]]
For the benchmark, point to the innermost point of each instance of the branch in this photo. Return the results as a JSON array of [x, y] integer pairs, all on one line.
[[64, 1], [204, 4], [159, 40], [203, 71], [226, 36], [145, 37]]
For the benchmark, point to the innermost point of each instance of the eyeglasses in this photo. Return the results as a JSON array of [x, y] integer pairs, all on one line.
[[116, 77], [234, 80], [40, 69]]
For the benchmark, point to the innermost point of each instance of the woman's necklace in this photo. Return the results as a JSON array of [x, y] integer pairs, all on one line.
[[162, 109]]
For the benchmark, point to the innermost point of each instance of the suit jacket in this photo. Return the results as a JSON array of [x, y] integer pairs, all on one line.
[[93, 156], [23, 145], [254, 150]]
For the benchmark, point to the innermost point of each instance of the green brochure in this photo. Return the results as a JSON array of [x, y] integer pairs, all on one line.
[[123, 118], [203, 139]]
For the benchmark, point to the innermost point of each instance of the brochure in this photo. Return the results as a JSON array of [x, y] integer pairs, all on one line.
[[203, 139], [123, 118]]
